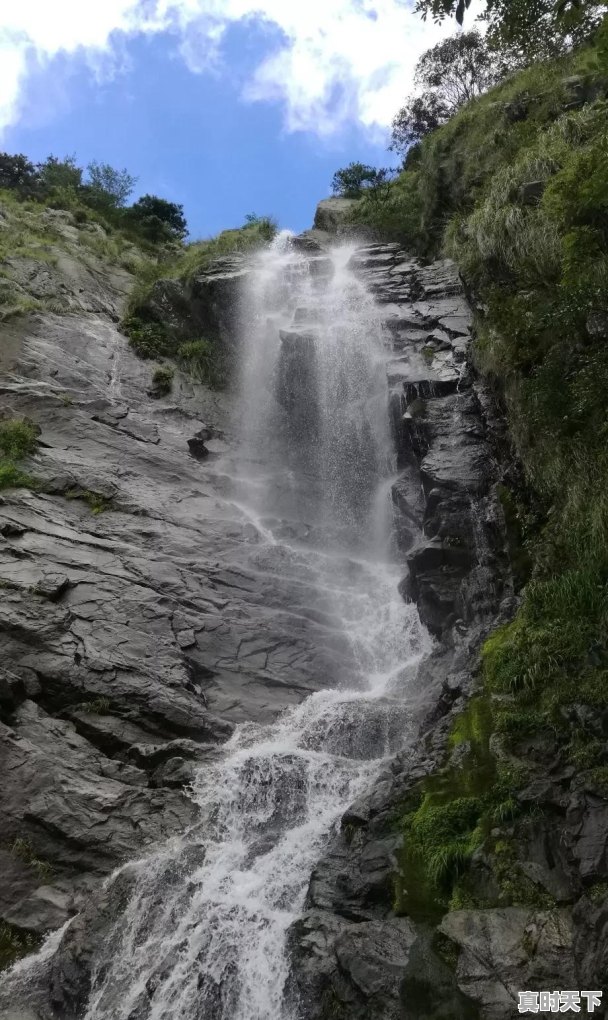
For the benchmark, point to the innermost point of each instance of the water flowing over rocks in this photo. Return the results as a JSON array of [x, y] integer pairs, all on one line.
[[216, 692]]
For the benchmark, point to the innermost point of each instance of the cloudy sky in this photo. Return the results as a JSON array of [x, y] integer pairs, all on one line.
[[228, 106]]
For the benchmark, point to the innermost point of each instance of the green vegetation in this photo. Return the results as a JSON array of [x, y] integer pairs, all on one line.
[[15, 943], [99, 192], [452, 168], [467, 805], [24, 851], [448, 818], [531, 28], [200, 360], [450, 74], [514, 188], [156, 333], [148, 339], [359, 179], [96, 502], [255, 233], [18, 439], [99, 706], [162, 380]]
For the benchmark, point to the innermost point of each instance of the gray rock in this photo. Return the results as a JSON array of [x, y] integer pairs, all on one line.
[[332, 213], [504, 951]]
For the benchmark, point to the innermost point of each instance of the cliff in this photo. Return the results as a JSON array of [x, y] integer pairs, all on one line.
[[142, 617]]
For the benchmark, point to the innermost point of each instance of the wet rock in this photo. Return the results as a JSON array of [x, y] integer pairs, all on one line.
[[310, 241], [197, 446], [350, 970], [505, 950], [591, 846], [176, 772], [45, 909], [296, 387]]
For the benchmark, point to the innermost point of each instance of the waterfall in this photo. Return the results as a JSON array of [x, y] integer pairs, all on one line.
[[201, 923]]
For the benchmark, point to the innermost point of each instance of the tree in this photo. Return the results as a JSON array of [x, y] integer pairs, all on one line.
[[108, 187], [450, 74], [157, 218], [60, 173], [17, 172], [356, 179], [534, 29], [420, 115]]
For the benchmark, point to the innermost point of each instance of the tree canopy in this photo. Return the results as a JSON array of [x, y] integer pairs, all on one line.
[[450, 74], [353, 180], [110, 187], [532, 28], [63, 184], [158, 217]]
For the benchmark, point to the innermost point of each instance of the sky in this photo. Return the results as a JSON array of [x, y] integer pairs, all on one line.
[[229, 107]]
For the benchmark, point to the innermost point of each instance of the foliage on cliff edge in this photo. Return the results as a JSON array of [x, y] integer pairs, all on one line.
[[515, 189]]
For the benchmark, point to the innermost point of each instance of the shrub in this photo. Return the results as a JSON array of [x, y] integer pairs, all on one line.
[[148, 339], [358, 179], [162, 380], [11, 477], [157, 218], [201, 360], [15, 943], [17, 438], [107, 187], [99, 706]]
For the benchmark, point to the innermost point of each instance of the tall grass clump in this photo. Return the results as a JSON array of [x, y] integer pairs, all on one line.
[[18, 439]]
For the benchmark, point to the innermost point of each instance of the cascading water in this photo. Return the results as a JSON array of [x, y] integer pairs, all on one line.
[[201, 924]]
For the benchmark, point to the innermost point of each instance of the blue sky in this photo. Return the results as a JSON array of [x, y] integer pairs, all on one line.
[[226, 106]]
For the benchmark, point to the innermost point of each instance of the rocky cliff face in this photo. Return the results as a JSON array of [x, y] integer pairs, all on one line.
[[137, 627], [373, 943], [134, 629], [353, 954]]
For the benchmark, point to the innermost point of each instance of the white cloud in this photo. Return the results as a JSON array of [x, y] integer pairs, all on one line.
[[329, 62]]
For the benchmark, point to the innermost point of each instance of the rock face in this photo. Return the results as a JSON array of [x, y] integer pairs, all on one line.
[[353, 957], [332, 213], [139, 623], [136, 624], [441, 433]]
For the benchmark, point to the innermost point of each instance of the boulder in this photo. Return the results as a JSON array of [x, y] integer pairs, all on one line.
[[333, 213]]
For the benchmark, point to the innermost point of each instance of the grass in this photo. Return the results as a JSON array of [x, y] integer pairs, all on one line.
[[197, 257], [96, 502], [201, 360], [447, 821], [23, 850], [149, 340], [162, 380], [447, 175], [99, 706], [18, 438], [152, 333], [31, 232]]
